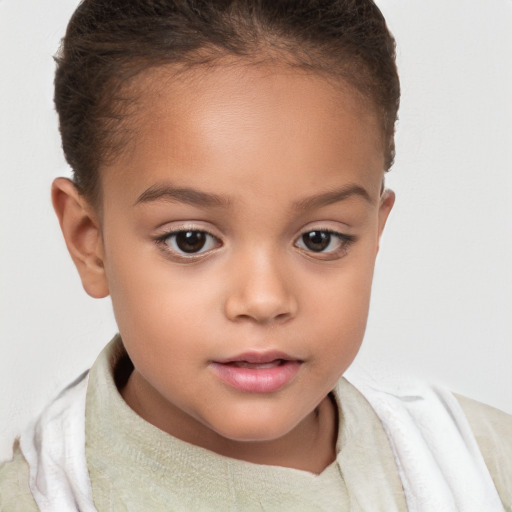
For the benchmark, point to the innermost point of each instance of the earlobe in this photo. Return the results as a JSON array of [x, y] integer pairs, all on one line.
[[82, 233]]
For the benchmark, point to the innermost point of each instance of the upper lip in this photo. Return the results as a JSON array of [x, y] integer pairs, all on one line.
[[258, 357]]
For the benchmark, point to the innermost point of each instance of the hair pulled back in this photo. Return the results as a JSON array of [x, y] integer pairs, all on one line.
[[108, 43]]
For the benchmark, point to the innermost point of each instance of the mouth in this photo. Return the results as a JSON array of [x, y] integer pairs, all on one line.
[[257, 366], [257, 372]]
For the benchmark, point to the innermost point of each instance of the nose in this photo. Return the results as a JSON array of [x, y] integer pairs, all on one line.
[[260, 290]]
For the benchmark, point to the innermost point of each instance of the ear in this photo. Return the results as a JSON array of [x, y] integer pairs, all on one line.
[[82, 233], [387, 200]]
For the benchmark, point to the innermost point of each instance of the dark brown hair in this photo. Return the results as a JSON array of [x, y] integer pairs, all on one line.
[[108, 43]]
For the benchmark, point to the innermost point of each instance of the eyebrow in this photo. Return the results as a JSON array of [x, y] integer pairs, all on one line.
[[333, 196], [167, 192]]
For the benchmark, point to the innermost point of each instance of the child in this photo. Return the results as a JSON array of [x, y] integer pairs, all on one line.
[[229, 196]]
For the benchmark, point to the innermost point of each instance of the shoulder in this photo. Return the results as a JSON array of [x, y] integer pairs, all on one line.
[[407, 407], [493, 432], [15, 493]]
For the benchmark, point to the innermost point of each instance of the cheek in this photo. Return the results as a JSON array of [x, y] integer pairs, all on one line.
[[341, 296], [338, 311], [155, 306], [158, 305], [160, 323]]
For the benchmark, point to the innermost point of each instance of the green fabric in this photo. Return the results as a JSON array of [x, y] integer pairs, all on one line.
[[15, 494], [493, 431], [134, 466]]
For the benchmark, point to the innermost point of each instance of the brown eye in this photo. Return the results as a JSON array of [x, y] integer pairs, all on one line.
[[316, 241], [190, 242]]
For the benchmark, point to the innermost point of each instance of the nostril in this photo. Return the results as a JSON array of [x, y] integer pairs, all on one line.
[[263, 313]]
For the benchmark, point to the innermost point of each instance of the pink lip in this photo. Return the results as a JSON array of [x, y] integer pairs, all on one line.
[[255, 372]]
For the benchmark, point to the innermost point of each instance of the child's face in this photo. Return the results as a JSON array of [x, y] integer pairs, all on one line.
[[240, 233]]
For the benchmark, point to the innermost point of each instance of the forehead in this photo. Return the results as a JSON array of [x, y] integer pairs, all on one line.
[[238, 123]]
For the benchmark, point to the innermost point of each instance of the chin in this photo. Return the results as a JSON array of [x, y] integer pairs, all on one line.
[[254, 428]]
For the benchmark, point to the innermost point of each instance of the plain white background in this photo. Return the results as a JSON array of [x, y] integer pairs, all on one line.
[[442, 299]]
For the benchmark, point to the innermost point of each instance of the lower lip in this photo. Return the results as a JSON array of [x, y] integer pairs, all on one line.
[[257, 380]]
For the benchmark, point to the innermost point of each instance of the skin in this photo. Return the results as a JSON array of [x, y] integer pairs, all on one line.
[[264, 140]]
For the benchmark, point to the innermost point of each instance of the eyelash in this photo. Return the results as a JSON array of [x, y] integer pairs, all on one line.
[[345, 242]]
